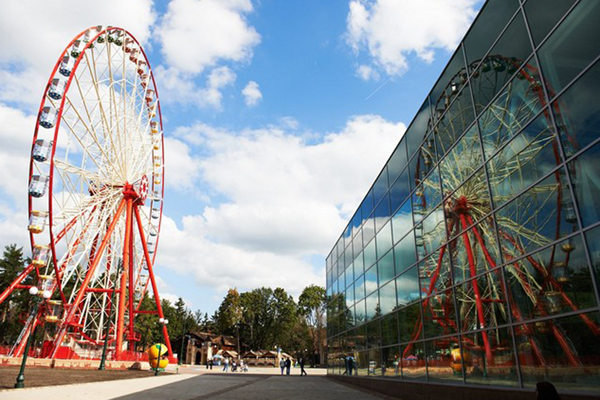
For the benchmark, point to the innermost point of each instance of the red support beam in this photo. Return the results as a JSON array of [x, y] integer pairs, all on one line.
[[152, 280]]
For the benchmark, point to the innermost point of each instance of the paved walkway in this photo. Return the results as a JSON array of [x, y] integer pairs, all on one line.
[[199, 387]]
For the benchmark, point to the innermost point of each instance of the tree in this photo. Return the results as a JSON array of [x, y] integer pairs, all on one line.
[[19, 302], [230, 314], [312, 303]]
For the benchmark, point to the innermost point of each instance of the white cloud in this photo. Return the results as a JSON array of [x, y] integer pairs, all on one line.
[[34, 33], [366, 73], [180, 88], [390, 30], [198, 34], [252, 94], [284, 195]]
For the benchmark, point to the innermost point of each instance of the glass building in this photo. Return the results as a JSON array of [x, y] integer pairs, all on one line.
[[474, 258]]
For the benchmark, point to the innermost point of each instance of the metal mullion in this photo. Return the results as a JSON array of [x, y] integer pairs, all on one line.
[[562, 152]]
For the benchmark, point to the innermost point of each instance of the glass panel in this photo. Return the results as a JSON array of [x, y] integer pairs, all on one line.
[[417, 129], [576, 112], [431, 233], [440, 365], [407, 286], [373, 334], [399, 191], [397, 162], [427, 196], [350, 296], [359, 312], [360, 338], [349, 275], [390, 358], [491, 20], [553, 281], [413, 363], [547, 349], [503, 61], [382, 212], [368, 229], [461, 161], [402, 221], [371, 279], [359, 266], [593, 241], [389, 329], [453, 119], [387, 296], [367, 205], [471, 200], [435, 273], [380, 186], [370, 255], [373, 308], [409, 323], [585, 174], [439, 314], [452, 80], [363, 364], [572, 46], [536, 217], [385, 268], [356, 222], [481, 302], [375, 363], [518, 103], [384, 239], [359, 288], [404, 253], [542, 15], [489, 358], [527, 158]]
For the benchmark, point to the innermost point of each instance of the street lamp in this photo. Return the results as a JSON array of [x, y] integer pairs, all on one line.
[[46, 294], [163, 322]]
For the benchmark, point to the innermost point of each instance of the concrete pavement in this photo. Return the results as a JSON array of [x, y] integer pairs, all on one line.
[[199, 387]]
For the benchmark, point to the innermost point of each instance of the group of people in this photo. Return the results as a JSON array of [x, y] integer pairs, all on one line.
[[241, 365], [286, 364]]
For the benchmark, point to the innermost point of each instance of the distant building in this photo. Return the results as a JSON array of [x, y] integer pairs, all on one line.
[[199, 347]]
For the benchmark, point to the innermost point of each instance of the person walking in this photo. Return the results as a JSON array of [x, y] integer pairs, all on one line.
[[288, 365], [226, 364], [210, 363], [302, 371], [282, 365]]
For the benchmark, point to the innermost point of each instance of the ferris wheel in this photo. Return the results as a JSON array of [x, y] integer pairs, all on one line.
[[460, 209], [96, 183]]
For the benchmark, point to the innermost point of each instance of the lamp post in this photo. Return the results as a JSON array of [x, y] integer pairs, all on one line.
[[46, 294], [180, 356], [107, 330], [163, 322]]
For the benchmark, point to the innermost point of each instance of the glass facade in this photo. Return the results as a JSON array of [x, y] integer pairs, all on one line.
[[474, 259]]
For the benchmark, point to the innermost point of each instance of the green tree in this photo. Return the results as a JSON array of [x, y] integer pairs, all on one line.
[[229, 315], [312, 303], [18, 303]]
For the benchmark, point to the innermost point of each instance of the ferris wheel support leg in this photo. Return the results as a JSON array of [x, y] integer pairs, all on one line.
[[151, 275], [84, 285], [124, 278], [132, 285], [16, 283], [478, 302]]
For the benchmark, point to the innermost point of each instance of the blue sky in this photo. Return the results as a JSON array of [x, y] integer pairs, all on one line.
[[277, 117]]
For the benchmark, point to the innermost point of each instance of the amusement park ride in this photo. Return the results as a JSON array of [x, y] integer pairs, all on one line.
[[95, 198]]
